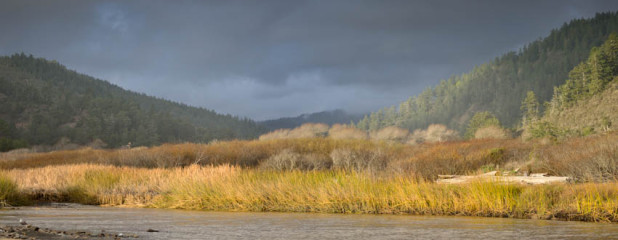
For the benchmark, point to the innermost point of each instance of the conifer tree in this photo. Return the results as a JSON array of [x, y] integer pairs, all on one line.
[[530, 109]]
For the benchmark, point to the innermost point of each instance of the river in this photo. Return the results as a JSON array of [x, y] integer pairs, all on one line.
[[179, 224]]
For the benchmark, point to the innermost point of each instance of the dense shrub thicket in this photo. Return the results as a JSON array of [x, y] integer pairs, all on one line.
[[586, 159]]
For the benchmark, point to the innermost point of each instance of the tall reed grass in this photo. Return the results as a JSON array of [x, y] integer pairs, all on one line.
[[229, 188], [9, 193]]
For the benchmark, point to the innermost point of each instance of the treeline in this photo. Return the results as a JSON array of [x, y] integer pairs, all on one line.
[[44, 102], [500, 85]]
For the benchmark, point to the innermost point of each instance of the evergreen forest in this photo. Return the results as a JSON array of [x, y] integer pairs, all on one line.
[[500, 86], [44, 103]]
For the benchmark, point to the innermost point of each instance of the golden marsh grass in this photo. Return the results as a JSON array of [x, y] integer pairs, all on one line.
[[229, 188], [328, 176]]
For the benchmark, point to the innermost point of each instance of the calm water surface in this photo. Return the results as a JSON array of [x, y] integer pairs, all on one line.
[[176, 224]]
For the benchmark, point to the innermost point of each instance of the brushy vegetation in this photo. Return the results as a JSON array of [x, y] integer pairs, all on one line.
[[290, 160], [433, 133], [491, 132], [307, 130], [597, 162], [586, 159], [340, 131], [232, 188]]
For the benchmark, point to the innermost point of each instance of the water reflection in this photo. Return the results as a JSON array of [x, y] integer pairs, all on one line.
[[177, 224]]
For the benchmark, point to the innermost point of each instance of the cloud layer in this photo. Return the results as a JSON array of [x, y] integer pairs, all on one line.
[[267, 59]]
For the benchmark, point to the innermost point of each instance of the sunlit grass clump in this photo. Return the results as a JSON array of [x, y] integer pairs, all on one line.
[[9, 192]]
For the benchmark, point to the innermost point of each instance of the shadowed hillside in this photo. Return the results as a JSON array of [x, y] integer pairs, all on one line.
[[43, 102]]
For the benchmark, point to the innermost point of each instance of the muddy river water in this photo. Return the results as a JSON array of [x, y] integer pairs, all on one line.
[[178, 224]]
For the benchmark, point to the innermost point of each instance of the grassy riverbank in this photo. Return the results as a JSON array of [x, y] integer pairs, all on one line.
[[227, 188], [329, 176]]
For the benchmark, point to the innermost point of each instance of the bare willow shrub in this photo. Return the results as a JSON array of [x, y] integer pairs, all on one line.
[[83, 155], [340, 131], [390, 134], [416, 137], [433, 133], [239, 153], [249, 156], [491, 132], [139, 157], [359, 160], [164, 156], [277, 134], [129, 157], [591, 159], [460, 158], [440, 133], [16, 154], [309, 130], [291, 160]]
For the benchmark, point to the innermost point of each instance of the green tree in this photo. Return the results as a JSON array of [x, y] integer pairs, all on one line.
[[363, 123], [530, 109]]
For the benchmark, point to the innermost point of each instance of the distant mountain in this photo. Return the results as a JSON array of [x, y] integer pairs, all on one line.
[[500, 86], [327, 117], [44, 102]]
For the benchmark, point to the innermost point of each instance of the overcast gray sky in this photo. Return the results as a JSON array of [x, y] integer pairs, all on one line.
[[269, 59]]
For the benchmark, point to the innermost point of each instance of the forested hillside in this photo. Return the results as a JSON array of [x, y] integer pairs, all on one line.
[[43, 102], [500, 85], [586, 103], [326, 117]]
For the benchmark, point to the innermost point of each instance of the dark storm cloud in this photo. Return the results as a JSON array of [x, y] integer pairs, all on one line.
[[267, 59]]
